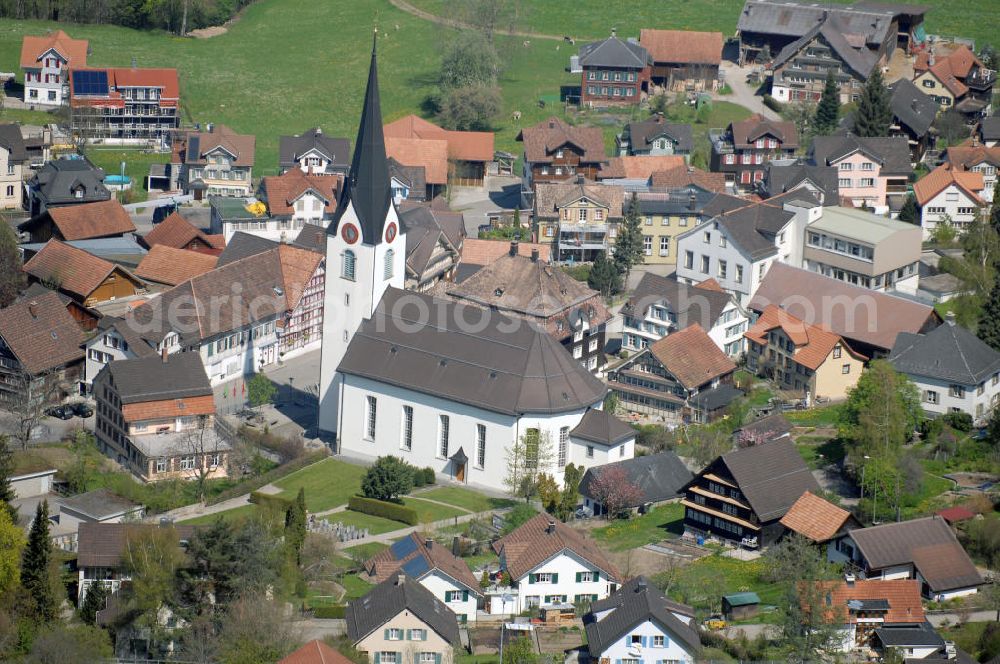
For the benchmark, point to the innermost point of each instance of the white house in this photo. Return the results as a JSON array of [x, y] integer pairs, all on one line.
[[46, 60], [954, 370], [295, 199], [947, 193], [639, 624], [552, 564], [13, 158], [114, 340], [662, 305], [977, 159]]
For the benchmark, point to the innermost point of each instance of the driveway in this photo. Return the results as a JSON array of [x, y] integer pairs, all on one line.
[[500, 193], [743, 94]]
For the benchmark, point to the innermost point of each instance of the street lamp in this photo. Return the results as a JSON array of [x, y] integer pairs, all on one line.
[[863, 467]]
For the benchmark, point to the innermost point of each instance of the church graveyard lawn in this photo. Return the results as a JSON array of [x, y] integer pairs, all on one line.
[[465, 498], [328, 484], [375, 525], [429, 512]]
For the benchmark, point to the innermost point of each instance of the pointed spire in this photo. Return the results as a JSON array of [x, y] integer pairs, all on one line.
[[368, 185]]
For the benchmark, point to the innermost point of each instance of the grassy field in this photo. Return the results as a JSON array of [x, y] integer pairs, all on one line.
[[136, 166], [328, 484], [25, 116], [375, 525], [429, 512], [661, 523], [366, 550], [235, 514], [704, 581], [466, 498]]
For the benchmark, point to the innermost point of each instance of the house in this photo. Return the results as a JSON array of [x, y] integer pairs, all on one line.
[[420, 160], [604, 438], [177, 232], [864, 249], [955, 79], [742, 495], [315, 652], [781, 177], [86, 318], [86, 278], [737, 247], [477, 253], [977, 159], [800, 357], [577, 219], [655, 137], [215, 162], [954, 370], [763, 429], [742, 149], [469, 153], [401, 621], [638, 623], [63, 182], [819, 520], [102, 219], [102, 550], [115, 339], [555, 151], [864, 608], [295, 199], [913, 115], [989, 131], [634, 172], [662, 305], [615, 72], [435, 567], [684, 60], [97, 506], [872, 172], [550, 564], [312, 151], [125, 106], [155, 416], [801, 68], [912, 641], [409, 183], [434, 242], [13, 160], [239, 215], [168, 266], [46, 60], [684, 377], [681, 177], [949, 194], [123, 251], [923, 549], [658, 477]]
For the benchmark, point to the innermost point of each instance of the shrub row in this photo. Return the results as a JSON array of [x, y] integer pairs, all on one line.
[[386, 510], [269, 501], [773, 104], [287, 448], [423, 477], [336, 611], [272, 475]]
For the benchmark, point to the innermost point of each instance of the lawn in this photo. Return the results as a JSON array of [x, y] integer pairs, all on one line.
[[136, 166], [328, 484], [704, 581], [375, 525], [229, 516], [819, 452], [363, 551], [430, 512], [466, 498], [25, 116], [661, 523], [355, 586], [814, 417]]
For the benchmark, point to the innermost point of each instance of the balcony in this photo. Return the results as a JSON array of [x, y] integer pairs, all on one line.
[[721, 142], [981, 80]]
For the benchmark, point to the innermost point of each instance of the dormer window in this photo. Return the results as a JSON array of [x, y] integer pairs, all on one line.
[[559, 153]]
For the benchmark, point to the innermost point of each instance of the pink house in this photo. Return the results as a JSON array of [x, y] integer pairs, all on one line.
[[871, 172]]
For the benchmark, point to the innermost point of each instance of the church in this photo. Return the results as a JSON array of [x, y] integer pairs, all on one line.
[[435, 382]]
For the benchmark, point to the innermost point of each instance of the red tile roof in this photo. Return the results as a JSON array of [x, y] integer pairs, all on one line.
[[34, 46], [315, 652], [175, 231], [747, 131], [462, 145], [170, 408], [692, 357], [431, 154], [681, 176], [813, 343], [542, 140], [944, 176], [967, 156], [531, 544], [903, 596], [164, 79], [950, 69], [956, 513], [385, 564], [72, 270], [682, 46], [814, 517], [170, 266], [241, 146], [281, 191], [86, 221], [484, 252], [641, 167], [41, 333]]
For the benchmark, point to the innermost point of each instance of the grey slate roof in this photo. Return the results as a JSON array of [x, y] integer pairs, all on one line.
[[949, 352], [98, 504], [600, 426], [311, 237], [243, 245], [413, 176], [689, 304], [12, 140], [920, 635], [613, 52], [832, 30], [509, 366], [989, 128], [780, 178], [775, 424], [291, 149], [425, 227], [151, 379], [716, 397], [55, 181], [893, 153], [677, 201], [645, 132], [631, 605], [794, 19], [383, 602], [913, 108], [136, 343], [659, 477], [753, 227]]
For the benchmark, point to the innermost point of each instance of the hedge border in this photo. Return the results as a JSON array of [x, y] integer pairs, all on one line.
[[270, 501], [327, 612], [386, 510], [270, 476]]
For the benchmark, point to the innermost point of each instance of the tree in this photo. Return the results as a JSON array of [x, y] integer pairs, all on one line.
[[151, 558], [65, 644], [988, 56], [7, 494], [707, 443], [989, 321], [951, 126], [469, 62], [612, 488], [549, 493], [571, 490], [943, 234], [874, 115], [319, 558], [881, 412], [11, 546], [35, 571], [295, 526], [518, 515], [519, 651], [255, 631], [910, 212], [976, 267], [27, 400], [529, 457], [629, 248], [995, 209], [387, 479], [828, 108], [206, 447], [604, 276], [469, 108], [990, 596], [260, 391], [11, 275], [95, 600], [491, 16]]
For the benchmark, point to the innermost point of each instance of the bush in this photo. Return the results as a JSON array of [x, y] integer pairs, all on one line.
[[959, 421], [269, 501], [387, 479], [271, 476], [429, 477], [383, 509], [773, 104], [287, 448], [418, 478], [518, 515], [336, 611]]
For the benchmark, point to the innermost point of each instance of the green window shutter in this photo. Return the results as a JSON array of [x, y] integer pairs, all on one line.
[[579, 575], [555, 578], [386, 635], [531, 578], [377, 655], [597, 576], [437, 658], [423, 635], [465, 595], [409, 634]]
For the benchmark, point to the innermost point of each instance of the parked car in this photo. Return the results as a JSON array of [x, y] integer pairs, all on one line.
[[715, 622], [82, 409], [62, 412]]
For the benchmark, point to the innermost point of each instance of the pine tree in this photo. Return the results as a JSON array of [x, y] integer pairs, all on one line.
[[11, 276], [874, 115], [910, 213], [295, 526], [95, 600], [7, 495], [603, 276], [629, 244], [989, 321], [995, 210], [35, 566], [828, 109]]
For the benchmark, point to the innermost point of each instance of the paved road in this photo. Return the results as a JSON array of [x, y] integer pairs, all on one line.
[[316, 628]]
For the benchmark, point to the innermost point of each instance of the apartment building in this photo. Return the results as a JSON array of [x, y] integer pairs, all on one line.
[[214, 162], [124, 106]]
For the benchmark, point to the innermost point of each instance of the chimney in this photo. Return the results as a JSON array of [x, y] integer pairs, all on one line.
[[580, 179], [33, 309], [913, 104], [950, 318], [641, 584], [513, 248], [135, 64], [210, 127], [429, 543], [534, 255], [319, 131], [552, 124], [692, 202], [400, 579], [163, 355], [551, 528], [849, 580]]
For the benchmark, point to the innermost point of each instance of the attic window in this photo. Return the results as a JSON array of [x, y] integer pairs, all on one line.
[[443, 362], [54, 335], [393, 350], [493, 374], [498, 292], [279, 291], [565, 396]]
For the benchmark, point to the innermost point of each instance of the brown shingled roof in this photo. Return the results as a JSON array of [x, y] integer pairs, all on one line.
[[813, 343], [484, 252], [945, 175], [903, 596], [41, 333], [531, 544], [170, 266], [91, 220], [175, 231], [104, 544], [542, 140], [682, 46], [387, 562], [34, 47], [462, 145], [431, 154], [315, 652], [281, 191], [168, 408], [815, 518], [241, 146], [73, 270], [641, 166], [682, 176], [550, 196], [747, 131], [692, 357]]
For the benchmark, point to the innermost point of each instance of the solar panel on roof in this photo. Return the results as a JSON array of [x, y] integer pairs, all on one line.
[[416, 567], [87, 82], [403, 548], [193, 144]]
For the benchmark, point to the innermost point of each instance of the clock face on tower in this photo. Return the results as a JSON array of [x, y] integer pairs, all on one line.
[[350, 233], [390, 232]]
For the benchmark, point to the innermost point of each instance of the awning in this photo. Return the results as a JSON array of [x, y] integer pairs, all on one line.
[[459, 457]]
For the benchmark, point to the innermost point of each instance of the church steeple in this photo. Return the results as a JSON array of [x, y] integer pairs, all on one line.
[[368, 188]]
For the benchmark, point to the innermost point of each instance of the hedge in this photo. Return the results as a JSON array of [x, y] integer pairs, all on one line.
[[270, 501], [773, 104], [335, 611], [272, 475], [429, 476], [384, 509]]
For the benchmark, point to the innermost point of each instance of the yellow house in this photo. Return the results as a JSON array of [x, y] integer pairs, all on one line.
[[943, 91], [801, 356], [667, 214], [578, 219]]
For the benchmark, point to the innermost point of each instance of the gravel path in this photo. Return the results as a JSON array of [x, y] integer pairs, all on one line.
[[459, 25]]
